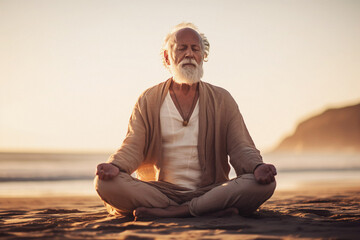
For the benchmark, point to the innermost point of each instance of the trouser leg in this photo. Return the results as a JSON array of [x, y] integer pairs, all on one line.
[[123, 194], [244, 193]]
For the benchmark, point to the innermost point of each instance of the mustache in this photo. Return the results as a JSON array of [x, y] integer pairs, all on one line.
[[189, 61]]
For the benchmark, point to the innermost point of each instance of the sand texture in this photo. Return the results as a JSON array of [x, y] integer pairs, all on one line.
[[315, 214]]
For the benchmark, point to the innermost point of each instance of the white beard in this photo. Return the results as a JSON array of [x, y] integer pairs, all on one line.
[[186, 74]]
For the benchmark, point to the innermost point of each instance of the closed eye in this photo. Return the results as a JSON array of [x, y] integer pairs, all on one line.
[[196, 48], [182, 48]]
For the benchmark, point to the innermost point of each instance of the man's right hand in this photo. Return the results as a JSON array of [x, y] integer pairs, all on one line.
[[107, 171]]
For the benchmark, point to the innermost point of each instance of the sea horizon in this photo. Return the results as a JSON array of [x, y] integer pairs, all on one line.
[[69, 174]]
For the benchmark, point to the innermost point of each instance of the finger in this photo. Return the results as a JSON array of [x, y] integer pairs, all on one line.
[[100, 174], [273, 170], [112, 175], [109, 176], [268, 178], [258, 180], [99, 168], [106, 176], [272, 178], [262, 180]]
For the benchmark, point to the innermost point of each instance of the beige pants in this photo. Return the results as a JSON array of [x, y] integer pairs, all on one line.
[[124, 193]]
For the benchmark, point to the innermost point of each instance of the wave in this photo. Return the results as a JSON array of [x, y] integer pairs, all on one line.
[[52, 178], [289, 170], [45, 179]]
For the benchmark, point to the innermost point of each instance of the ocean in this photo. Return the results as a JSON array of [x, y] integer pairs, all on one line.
[[48, 174], [61, 174]]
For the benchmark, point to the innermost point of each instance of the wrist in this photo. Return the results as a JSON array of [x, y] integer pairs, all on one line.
[[120, 170], [257, 166]]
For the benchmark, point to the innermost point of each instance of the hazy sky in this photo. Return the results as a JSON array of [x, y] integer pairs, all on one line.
[[71, 71]]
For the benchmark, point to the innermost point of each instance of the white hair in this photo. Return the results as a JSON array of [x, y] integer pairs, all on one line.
[[187, 75], [167, 44]]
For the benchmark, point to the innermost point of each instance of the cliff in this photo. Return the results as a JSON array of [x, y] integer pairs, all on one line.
[[333, 130]]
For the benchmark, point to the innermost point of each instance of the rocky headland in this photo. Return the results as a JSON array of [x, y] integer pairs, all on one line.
[[334, 130]]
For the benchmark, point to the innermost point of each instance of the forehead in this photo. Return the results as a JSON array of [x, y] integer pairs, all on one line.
[[187, 36]]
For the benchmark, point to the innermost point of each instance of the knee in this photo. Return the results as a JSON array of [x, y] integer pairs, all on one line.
[[108, 191], [248, 185], [107, 188], [271, 187], [101, 187], [267, 190], [253, 194]]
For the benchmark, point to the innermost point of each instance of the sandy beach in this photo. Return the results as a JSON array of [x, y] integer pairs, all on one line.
[[321, 211]]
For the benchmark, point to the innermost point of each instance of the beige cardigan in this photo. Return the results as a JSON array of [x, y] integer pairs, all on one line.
[[222, 133]]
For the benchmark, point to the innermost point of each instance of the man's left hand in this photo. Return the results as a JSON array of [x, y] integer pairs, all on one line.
[[265, 173]]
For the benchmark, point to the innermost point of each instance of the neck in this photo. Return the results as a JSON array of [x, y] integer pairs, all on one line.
[[184, 88], [180, 80]]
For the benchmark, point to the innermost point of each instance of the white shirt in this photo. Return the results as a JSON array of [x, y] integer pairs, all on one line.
[[181, 163]]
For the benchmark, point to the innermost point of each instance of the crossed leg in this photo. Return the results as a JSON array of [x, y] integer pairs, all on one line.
[[125, 194]]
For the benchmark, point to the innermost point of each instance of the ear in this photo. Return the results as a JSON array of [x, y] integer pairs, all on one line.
[[205, 57], [166, 57]]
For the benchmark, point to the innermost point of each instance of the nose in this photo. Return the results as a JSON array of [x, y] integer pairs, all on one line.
[[189, 53]]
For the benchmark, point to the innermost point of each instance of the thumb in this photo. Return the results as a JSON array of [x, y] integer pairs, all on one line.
[[98, 169]]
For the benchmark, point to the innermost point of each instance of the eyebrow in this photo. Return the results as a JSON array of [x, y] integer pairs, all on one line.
[[192, 45]]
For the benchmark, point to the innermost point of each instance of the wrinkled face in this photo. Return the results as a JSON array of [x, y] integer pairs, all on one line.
[[187, 45], [186, 56]]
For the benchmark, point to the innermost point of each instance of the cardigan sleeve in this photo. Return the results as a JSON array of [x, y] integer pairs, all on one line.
[[131, 153], [244, 156]]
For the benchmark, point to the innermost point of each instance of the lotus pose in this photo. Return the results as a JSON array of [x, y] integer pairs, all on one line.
[[182, 135]]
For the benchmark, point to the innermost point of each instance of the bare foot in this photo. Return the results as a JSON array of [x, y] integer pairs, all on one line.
[[228, 212], [172, 211]]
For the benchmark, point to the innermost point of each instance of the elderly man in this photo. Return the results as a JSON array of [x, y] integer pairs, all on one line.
[[180, 136]]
